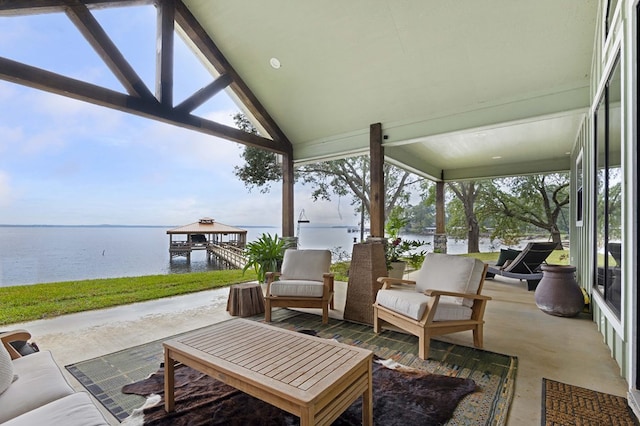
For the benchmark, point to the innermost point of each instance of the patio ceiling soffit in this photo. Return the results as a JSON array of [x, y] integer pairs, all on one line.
[[139, 100]]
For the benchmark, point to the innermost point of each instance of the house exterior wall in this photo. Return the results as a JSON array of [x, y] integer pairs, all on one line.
[[619, 334]]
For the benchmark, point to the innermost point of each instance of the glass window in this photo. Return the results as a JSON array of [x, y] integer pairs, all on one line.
[[608, 192], [611, 8]]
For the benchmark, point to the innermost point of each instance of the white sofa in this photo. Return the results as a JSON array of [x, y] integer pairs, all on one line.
[[33, 391]]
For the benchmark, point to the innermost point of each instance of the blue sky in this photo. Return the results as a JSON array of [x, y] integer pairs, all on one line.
[[71, 163]]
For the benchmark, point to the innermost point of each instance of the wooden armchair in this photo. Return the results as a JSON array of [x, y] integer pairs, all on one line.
[[445, 298], [305, 281], [14, 336]]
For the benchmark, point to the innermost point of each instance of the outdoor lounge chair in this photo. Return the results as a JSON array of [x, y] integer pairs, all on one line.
[[445, 298], [526, 265], [305, 281]]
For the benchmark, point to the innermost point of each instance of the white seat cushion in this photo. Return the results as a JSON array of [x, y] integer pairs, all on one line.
[[73, 410], [412, 304], [450, 273], [40, 381], [6, 369], [307, 265], [297, 288]]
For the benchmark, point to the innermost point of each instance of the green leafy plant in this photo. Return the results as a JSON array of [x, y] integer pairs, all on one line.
[[264, 255], [397, 249]]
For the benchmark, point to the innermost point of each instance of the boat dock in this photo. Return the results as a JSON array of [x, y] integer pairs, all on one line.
[[221, 241]]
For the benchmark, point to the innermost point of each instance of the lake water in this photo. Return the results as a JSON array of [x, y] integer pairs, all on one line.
[[36, 254]]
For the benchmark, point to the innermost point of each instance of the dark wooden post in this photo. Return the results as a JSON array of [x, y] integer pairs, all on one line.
[[164, 52], [440, 237], [368, 259], [288, 231], [376, 198]]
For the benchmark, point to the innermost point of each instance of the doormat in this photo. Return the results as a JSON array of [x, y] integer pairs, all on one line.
[[568, 405]]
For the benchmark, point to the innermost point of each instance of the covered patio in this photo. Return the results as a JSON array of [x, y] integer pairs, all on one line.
[[461, 91], [546, 346]]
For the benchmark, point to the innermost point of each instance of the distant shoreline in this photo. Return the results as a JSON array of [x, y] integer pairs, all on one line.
[[2, 225]]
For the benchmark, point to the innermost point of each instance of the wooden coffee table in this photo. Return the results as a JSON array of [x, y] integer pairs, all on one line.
[[315, 379]]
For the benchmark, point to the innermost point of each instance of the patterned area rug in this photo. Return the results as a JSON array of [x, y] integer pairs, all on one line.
[[400, 397], [568, 405], [493, 373]]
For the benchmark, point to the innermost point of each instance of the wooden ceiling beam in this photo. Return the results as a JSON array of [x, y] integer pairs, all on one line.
[[201, 40], [37, 78], [33, 7], [140, 100], [164, 52], [82, 18], [204, 94]]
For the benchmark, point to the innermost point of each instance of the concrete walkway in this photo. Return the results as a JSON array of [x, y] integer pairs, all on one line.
[[569, 350]]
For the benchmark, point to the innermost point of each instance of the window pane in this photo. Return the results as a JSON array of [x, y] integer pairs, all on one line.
[[608, 192]]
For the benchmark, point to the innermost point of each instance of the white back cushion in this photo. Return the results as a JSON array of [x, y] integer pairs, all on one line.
[[6, 369], [307, 265], [450, 273]]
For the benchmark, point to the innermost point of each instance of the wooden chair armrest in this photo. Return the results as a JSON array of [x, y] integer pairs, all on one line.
[[388, 282], [327, 280], [270, 277], [433, 293], [13, 336]]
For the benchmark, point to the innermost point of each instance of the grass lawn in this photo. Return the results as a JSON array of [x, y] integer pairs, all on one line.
[[39, 301]]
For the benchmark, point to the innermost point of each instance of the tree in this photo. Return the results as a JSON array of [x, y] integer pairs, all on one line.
[[350, 176], [343, 177], [464, 213], [538, 200], [261, 166]]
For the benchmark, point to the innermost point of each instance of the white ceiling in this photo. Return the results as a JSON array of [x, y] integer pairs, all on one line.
[[454, 84]]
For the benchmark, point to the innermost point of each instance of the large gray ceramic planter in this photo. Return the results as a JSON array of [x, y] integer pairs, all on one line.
[[558, 292]]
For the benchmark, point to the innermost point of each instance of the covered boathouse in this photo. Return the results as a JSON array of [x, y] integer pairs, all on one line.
[[222, 241]]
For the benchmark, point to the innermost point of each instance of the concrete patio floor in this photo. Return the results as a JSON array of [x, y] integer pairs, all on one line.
[[569, 350]]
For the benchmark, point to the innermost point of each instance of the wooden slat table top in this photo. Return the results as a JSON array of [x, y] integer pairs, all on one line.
[[294, 364]]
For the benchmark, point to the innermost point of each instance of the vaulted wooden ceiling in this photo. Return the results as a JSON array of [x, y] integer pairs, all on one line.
[[462, 89]]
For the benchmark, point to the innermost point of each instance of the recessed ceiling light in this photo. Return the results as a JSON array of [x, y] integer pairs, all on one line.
[[275, 63], [497, 157]]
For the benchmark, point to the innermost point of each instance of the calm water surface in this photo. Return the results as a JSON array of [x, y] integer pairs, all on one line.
[[33, 254]]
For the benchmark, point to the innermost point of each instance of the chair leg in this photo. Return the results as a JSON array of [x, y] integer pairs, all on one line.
[[267, 310], [532, 284], [325, 313], [477, 336], [376, 320], [424, 342]]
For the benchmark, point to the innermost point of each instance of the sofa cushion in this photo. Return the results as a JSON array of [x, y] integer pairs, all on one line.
[[308, 265], [72, 410], [6, 369], [297, 288], [413, 305], [40, 381], [449, 273]]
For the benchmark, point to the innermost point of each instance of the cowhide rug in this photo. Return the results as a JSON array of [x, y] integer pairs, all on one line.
[[401, 396]]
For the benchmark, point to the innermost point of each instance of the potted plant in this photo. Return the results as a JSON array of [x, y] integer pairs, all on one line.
[[264, 255], [399, 251]]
